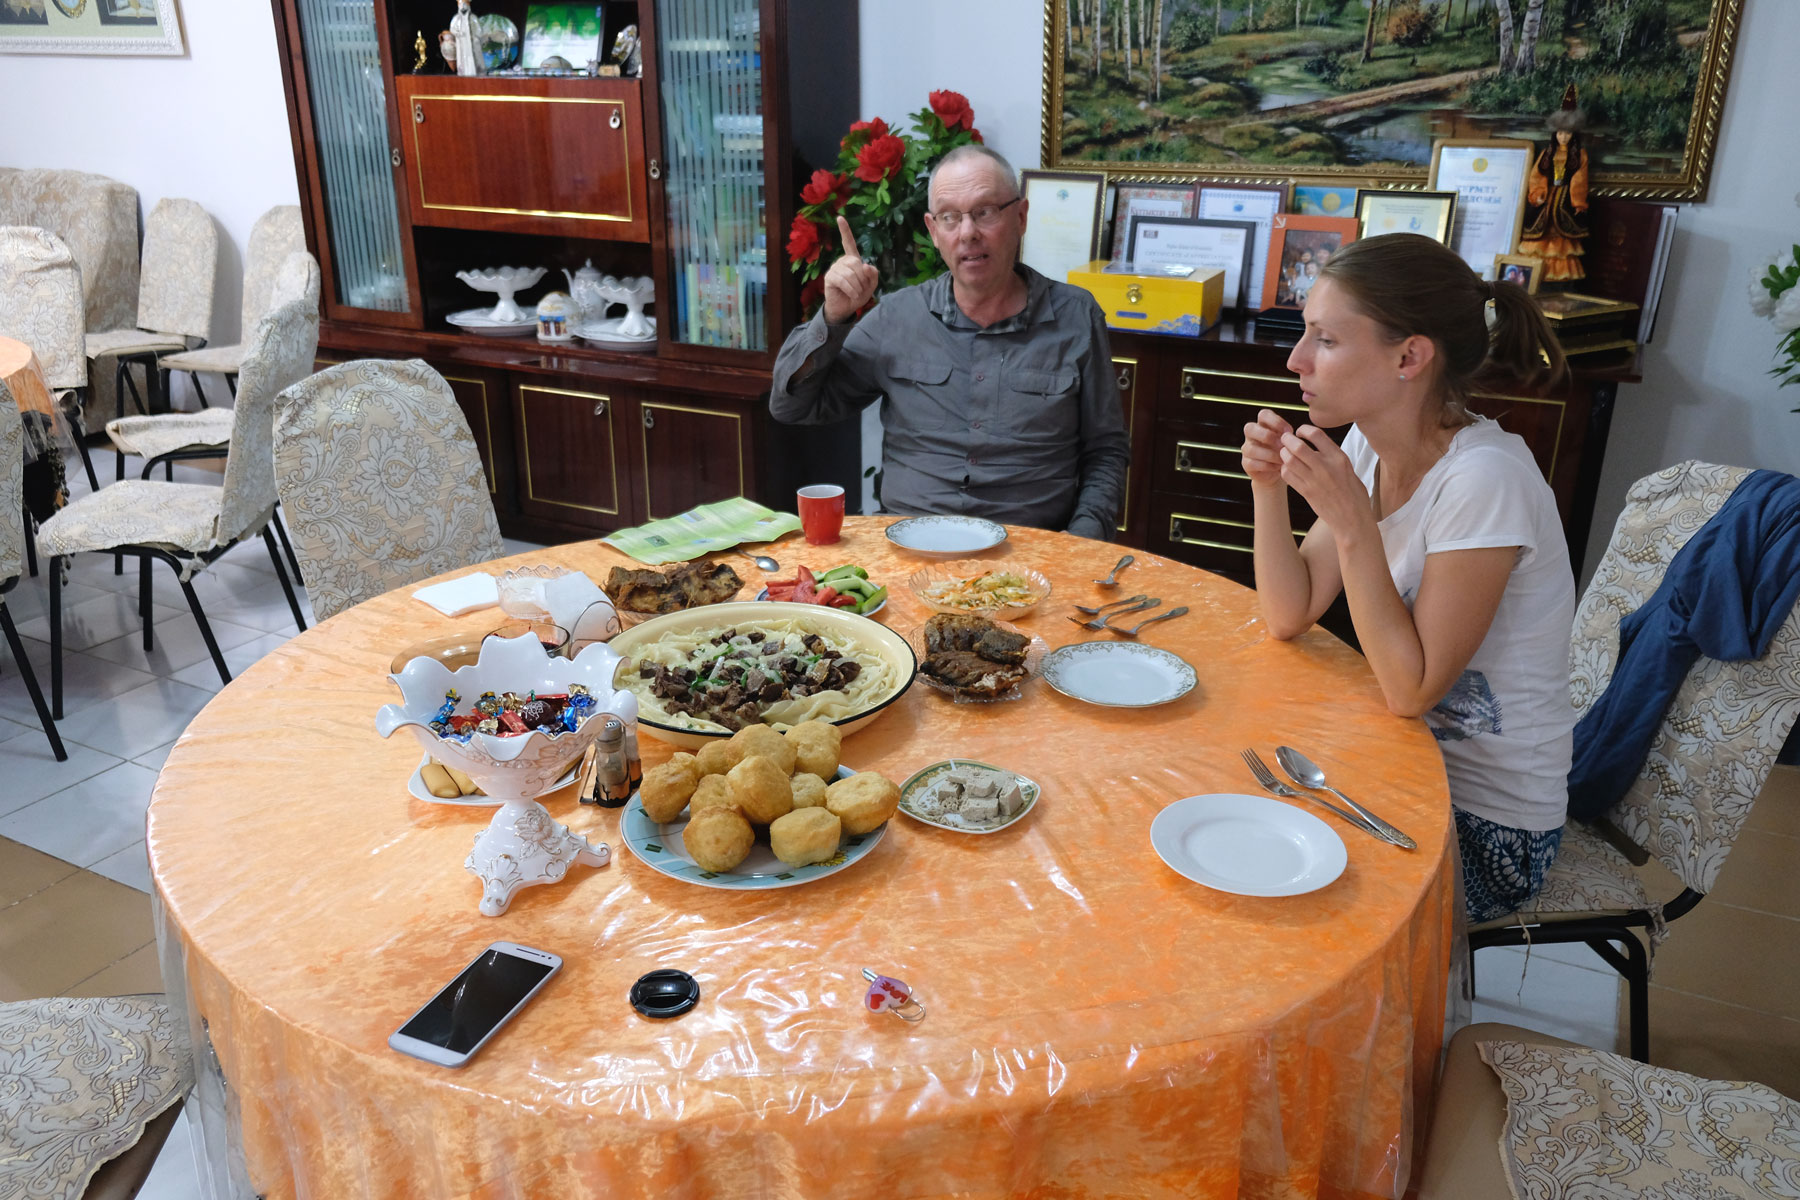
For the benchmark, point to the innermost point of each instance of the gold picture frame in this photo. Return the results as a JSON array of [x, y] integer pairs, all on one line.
[[1430, 214], [1508, 266], [1184, 97]]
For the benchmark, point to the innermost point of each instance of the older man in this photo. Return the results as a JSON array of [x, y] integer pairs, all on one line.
[[999, 397]]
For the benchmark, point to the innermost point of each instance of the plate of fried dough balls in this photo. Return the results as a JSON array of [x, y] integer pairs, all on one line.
[[761, 809]]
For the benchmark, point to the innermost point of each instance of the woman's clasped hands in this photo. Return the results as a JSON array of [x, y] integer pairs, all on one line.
[[1307, 460]]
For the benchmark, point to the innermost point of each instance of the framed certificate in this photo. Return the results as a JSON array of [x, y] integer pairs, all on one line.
[[1299, 248], [1148, 200], [1322, 200], [1259, 203], [1488, 177], [1429, 213], [1158, 242], [1063, 233]]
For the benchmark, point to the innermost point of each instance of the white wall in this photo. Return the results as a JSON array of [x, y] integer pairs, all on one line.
[[210, 126]]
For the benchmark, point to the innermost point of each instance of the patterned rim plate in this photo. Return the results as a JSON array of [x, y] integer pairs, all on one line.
[[477, 320], [945, 535], [660, 847], [415, 784], [764, 596], [1248, 845], [910, 790], [1118, 674]]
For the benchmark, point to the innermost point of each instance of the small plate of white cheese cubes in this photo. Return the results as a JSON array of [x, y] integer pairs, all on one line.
[[965, 796]]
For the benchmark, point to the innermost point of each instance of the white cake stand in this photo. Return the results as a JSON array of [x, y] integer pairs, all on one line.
[[504, 281]]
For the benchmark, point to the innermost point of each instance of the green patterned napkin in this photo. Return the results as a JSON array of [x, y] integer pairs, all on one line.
[[703, 530]]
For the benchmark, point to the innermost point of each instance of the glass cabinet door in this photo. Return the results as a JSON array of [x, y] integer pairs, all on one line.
[[710, 67], [350, 129]]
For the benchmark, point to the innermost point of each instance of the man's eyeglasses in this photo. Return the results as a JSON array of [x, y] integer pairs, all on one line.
[[985, 217]]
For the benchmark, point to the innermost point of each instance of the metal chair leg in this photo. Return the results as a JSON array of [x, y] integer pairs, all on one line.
[[199, 393], [31, 684], [54, 566], [144, 601], [281, 574], [206, 633], [30, 542], [1637, 981], [231, 384], [281, 533]]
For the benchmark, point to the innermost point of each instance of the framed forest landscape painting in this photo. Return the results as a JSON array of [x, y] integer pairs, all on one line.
[[1361, 89], [90, 27]]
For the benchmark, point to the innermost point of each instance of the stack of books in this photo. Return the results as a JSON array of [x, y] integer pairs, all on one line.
[[1628, 255], [1587, 324]]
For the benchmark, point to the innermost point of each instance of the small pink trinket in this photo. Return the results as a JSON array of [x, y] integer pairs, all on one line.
[[887, 994]]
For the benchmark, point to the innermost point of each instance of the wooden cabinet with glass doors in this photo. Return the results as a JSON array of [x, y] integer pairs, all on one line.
[[687, 173]]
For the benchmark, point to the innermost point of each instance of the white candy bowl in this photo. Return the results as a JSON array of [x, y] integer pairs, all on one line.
[[505, 281], [522, 845]]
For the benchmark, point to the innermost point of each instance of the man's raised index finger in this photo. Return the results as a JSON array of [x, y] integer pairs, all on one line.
[[850, 247]]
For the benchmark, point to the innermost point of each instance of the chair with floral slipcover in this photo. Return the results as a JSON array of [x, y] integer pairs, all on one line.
[[1520, 1113], [1708, 760], [175, 297], [12, 552], [276, 234], [190, 525], [380, 481], [92, 1087], [40, 305]]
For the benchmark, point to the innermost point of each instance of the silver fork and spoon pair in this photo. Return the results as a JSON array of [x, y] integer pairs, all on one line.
[[1119, 608], [1303, 771]]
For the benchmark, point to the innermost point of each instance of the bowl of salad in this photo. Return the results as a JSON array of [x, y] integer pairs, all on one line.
[[847, 587], [983, 588]]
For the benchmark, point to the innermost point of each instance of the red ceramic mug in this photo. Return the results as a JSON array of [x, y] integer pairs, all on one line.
[[822, 512]]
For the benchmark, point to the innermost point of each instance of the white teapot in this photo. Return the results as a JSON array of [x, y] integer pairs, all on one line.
[[585, 289]]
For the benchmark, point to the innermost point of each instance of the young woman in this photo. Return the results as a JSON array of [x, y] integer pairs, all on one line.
[[1440, 531]]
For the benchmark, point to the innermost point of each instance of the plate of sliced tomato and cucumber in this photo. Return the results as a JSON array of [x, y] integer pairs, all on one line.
[[848, 587]]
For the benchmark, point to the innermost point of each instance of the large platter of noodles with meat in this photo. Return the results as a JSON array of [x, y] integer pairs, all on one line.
[[706, 672]]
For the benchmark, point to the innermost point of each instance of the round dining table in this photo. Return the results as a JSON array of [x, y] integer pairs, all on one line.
[[1096, 1023], [44, 426]]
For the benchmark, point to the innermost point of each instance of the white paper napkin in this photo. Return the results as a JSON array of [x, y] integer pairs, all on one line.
[[454, 597]]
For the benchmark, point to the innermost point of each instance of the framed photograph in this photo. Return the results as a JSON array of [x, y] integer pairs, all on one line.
[[569, 31], [1322, 200], [1488, 177], [90, 27], [1526, 270], [1429, 213], [1345, 90], [1299, 247], [1064, 230], [1158, 242], [1259, 203], [1148, 200]]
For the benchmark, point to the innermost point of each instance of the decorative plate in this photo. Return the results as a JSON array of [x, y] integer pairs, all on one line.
[[1248, 845], [934, 577], [1034, 666], [606, 333], [912, 789], [415, 783], [941, 537], [660, 846], [1118, 674], [480, 320]]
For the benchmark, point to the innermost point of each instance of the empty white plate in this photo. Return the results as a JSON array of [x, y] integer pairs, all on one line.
[[1248, 845], [1118, 674], [945, 535]]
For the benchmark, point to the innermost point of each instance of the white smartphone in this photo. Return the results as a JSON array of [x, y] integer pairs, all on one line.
[[459, 1020]]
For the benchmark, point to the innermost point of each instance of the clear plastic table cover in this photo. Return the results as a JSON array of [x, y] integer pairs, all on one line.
[[1097, 1025]]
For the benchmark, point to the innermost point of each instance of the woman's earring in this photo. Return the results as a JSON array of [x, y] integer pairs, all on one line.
[[1403, 377]]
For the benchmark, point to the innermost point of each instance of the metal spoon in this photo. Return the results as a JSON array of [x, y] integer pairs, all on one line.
[[1112, 580], [1133, 631], [762, 560], [1303, 771], [1113, 604]]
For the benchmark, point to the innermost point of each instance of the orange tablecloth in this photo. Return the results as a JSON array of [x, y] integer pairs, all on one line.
[[1098, 1025], [25, 380]]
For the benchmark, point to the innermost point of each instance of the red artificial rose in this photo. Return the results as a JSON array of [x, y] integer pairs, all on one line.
[[952, 108], [803, 241], [880, 158], [872, 129], [824, 186], [975, 136]]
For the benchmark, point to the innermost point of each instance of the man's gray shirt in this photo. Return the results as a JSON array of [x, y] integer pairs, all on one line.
[[1019, 422]]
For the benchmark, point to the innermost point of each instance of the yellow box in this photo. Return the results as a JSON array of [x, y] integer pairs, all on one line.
[[1155, 303]]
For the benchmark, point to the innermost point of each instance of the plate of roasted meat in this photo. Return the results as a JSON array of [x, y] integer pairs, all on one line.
[[640, 593], [975, 660]]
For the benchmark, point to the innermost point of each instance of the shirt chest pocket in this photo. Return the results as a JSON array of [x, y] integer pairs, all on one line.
[[923, 394], [1043, 404]]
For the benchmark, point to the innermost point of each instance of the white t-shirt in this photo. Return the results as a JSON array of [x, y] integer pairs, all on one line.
[[1505, 727]]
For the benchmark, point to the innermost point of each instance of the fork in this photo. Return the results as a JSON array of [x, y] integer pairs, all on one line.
[[1267, 778], [1115, 604], [1133, 631], [1102, 622], [1112, 578]]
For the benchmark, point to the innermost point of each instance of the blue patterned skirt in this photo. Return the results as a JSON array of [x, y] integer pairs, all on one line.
[[1502, 867]]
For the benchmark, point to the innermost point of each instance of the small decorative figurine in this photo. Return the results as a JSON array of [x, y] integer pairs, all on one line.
[[447, 48], [627, 52], [1556, 199], [468, 40], [420, 51]]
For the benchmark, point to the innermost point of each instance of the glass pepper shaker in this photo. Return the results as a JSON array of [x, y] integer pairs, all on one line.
[[612, 784], [634, 766]]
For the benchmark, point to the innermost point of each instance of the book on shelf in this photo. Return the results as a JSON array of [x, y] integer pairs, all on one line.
[[1628, 254], [1594, 342]]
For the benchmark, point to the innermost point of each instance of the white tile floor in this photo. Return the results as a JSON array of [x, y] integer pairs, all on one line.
[[123, 710]]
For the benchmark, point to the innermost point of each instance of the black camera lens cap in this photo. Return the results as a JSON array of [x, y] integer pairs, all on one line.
[[665, 993]]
